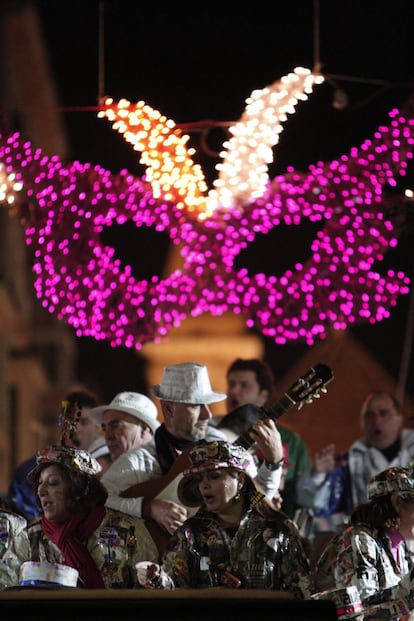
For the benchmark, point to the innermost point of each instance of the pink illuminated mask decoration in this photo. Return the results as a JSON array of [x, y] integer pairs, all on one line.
[[84, 284]]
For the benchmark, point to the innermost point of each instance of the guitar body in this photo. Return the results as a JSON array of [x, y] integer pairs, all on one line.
[[155, 488], [163, 487], [239, 422]]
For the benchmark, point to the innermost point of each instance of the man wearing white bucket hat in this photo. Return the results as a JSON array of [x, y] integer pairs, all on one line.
[[185, 394]]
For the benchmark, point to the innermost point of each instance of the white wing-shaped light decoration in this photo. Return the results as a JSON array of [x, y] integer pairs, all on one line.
[[243, 171]]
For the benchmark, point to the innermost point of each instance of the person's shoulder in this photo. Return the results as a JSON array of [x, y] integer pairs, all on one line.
[[361, 534], [213, 434], [118, 519], [25, 467], [142, 458], [98, 448], [13, 518], [137, 459], [147, 451], [407, 434], [34, 525], [113, 514], [358, 445]]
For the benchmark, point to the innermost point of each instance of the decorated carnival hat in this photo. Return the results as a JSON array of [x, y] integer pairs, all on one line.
[[187, 382], [133, 403], [395, 480], [71, 458], [211, 456], [346, 599]]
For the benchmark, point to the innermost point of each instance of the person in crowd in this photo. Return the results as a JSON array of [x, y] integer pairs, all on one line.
[[185, 394], [128, 422], [14, 546], [251, 381], [76, 529], [372, 553], [86, 435], [20, 497], [237, 538], [335, 484]]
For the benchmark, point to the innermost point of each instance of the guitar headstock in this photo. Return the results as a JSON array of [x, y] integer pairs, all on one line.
[[310, 385]]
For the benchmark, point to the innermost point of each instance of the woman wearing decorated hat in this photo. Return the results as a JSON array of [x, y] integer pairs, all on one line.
[[237, 538], [76, 529], [371, 553]]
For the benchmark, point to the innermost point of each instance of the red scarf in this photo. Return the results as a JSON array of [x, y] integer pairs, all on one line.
[[71, 538]]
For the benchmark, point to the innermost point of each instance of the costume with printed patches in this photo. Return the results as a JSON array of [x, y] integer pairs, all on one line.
[[14, 547], [261, 550], [371, 554], [115, 545], [76, 529]]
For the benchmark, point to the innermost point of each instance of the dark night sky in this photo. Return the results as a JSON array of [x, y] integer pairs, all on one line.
[[202, 63]]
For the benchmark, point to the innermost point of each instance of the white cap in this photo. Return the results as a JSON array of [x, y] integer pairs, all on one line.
[[133, 403]]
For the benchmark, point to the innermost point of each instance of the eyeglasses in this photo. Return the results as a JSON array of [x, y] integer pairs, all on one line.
[[119, 425], [116, 425]]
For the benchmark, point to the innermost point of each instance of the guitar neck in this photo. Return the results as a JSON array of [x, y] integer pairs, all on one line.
[[275, 411]]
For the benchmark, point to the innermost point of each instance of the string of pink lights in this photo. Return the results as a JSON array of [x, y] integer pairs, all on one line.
[[64, 207]]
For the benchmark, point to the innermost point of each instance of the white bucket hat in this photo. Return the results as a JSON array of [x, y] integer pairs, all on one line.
[[133, 403], [187, 382]]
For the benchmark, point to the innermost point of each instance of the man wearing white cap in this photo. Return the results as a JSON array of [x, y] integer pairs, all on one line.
[[129, 421], [185, 394]]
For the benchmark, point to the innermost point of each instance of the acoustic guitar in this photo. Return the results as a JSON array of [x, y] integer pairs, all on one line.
[[307, 388]]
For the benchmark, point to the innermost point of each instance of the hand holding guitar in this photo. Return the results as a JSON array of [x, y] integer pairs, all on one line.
[[266, 435], [166, 513]]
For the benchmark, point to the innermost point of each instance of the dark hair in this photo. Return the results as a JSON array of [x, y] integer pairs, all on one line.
[[86, 491], [381, 393], [263, 372], [82, 398], [378, 513]]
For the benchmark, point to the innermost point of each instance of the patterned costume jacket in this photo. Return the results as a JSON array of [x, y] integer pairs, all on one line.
[[359, 557], [116, 546], [14, 547], [263, 554]]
